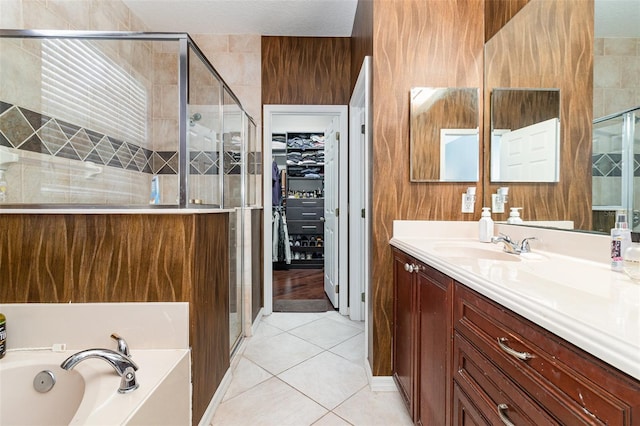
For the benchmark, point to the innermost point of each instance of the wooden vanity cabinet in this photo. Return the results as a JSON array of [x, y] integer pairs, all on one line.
[[422, 339], [459, 358], [503, 358]]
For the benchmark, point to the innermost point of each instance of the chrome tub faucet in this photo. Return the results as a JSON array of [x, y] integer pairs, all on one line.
[[121, 363]]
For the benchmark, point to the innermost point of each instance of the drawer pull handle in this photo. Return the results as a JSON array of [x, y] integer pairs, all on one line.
[[502, 413], [309, 227], [309, 214], [410, 268], [524, 356]]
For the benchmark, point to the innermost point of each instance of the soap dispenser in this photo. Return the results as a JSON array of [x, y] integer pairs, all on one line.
[[514, 216], [486, 226]]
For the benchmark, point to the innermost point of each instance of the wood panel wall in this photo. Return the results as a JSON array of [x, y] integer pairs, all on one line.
[[550, 44], [306, 70], [361, 38], [415, 43], [517, 108], [497, 13], [56, 258], [257, 262]]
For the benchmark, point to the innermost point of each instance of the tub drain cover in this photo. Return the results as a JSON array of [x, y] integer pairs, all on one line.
[[44, 381]]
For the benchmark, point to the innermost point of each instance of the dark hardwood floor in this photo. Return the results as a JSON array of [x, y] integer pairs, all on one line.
[[298, 284], [300, 290]]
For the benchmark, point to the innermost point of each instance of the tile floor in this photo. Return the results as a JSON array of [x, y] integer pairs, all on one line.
[[306, 369]]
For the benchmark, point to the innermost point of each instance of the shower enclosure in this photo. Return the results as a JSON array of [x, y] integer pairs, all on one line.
[[616, 169], [124, 120]]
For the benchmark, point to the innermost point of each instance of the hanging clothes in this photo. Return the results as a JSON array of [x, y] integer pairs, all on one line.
[[281, 251], [276, 188]]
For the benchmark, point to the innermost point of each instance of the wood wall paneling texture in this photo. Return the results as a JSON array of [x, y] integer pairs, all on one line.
[[361, 38], [210, 304], [550, 44], [498, 13], [415, 43], [306, 70]]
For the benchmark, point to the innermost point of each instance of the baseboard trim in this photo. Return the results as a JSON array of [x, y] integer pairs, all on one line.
[[379, 383], [256, 322], [207, 417]]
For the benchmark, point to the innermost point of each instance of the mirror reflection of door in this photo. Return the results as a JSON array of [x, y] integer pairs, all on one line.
[[525, 135]]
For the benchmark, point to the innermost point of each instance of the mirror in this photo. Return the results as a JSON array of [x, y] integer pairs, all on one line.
[[616, 33], [444, 134], [525, 135]]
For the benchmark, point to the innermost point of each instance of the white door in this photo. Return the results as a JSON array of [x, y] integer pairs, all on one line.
[[331, 194], [530, 154], [359, 210]]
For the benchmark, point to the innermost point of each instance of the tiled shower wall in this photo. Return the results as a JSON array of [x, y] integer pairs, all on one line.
[[616, 75], [236, 57], [616, 81]]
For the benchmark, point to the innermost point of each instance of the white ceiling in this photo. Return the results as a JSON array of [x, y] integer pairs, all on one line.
[[316, 18], [311, 18], [617, 18]]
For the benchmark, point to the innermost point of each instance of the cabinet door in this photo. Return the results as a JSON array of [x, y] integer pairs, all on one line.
[[464, 412], [434, 363], [404, 333]]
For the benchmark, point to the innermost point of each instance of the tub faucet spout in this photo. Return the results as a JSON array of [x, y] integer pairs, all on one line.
[[122, 364]]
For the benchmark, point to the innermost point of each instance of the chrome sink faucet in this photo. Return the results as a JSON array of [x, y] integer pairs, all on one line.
[[121, 363], [511, 246]]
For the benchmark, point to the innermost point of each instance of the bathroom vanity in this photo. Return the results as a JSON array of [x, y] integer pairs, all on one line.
[[496, 338]]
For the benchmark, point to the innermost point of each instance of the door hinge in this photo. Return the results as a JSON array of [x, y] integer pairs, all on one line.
[[338, 136], [337, 288], [362, 213], [362, 129], [337, 211], [362, 297]]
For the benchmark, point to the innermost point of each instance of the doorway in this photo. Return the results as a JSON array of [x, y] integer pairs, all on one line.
[[301, 263]]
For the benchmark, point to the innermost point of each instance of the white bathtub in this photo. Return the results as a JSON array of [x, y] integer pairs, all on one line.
[[88, 394]]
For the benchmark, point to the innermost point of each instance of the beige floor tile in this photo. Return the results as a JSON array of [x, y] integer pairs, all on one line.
[[368, 408], [336, 316], [266, 330], [331, 419], [326, 378], [278, 353], [325, 332], [351, 349], [288, 320], [270, 403], [245, 376]]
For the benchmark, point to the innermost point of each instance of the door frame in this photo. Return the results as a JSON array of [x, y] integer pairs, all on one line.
[[343, 234]]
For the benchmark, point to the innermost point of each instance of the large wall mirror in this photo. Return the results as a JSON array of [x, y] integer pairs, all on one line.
[[525, 135], [444, 134]]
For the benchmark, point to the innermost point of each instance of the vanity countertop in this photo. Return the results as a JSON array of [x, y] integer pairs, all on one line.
[[580, 300]]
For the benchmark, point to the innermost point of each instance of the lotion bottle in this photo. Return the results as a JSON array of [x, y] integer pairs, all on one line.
[[620, 240], [3, 335], [514, 216], [486, 226]]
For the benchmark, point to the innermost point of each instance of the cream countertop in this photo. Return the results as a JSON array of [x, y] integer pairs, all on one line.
[[563, 286]]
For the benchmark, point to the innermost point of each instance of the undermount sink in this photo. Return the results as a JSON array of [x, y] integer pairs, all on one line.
[[461, 251]]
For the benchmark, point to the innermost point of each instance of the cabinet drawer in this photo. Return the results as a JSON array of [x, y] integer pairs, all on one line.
[[305, 202], [491, 391], [305, 227], [304, 213], [555, 373]]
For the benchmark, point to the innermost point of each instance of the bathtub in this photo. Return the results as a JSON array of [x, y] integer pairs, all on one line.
[[88, 394]]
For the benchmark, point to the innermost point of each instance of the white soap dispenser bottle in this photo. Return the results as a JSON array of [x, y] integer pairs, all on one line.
[[486, 226], [514, 216]]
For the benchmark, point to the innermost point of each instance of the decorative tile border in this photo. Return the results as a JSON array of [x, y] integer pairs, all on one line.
[[27, 130], [610, 165]]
